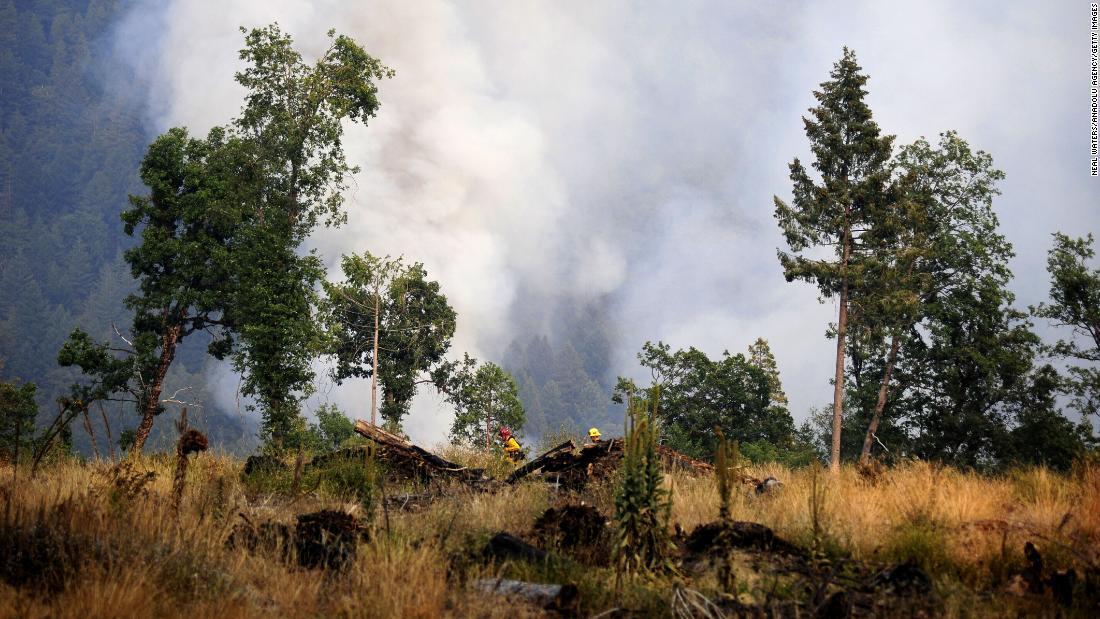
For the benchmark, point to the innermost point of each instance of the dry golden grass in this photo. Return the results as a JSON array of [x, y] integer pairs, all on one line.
[[111, 552]]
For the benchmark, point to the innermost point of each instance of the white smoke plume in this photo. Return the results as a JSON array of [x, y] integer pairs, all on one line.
[[533, 153]]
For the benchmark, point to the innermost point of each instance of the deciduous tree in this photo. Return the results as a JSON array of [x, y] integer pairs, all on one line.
[[1075, 303], [938, 234], [292, 127], [390, 323], [485, 398]]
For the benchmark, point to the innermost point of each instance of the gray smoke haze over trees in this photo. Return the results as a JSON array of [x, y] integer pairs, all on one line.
[[543, 156]]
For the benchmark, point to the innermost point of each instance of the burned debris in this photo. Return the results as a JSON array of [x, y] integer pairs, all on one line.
[[572, 469], [405, 460]]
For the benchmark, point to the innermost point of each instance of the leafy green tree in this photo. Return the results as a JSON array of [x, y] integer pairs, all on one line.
[[181, 266], [960, 378], [1040, 434], [291, 126], [760, 355], [939, 234], [389, 323], [1075, 303], [485, 398], [698, 394], [222, 225], [332, 429], [851, 157], [17, 414]]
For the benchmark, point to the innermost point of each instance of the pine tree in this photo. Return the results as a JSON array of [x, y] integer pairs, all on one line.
[[851, 157], [760, 355]]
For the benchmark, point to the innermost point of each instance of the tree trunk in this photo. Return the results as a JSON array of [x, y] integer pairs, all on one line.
[[841, 340], [152, 399], [880, 405], [489, 423], [107, 429], [374, 366], [91, 432]]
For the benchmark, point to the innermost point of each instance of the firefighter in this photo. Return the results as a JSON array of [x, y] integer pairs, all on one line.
[[594, 435], [512, 448]]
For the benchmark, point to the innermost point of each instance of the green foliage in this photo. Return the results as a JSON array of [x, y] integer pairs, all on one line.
[[414, 327], [485, 398], [699, 394], [290, 128], [799, 454], [352, 475], [920, 541], [350, 478], [962, 379], [1075, 303], [851, 156], [126, 439], [760, 355], [333, 429], [642, 544], [17, 413]]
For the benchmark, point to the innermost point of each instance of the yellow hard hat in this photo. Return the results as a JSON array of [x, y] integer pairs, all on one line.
[[593, 432]]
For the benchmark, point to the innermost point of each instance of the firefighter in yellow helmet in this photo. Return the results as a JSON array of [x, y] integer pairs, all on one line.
[[512, 448], [594, 435]]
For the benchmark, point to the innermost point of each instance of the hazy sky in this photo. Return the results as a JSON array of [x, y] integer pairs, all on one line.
[[531, 150]]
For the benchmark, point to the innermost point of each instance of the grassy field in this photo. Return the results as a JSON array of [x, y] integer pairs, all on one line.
[[93, 540]]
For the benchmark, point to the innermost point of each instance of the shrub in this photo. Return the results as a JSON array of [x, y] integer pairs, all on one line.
[[351, 478], [642, 505]]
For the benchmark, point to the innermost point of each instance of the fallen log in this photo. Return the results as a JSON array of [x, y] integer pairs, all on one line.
[[509, 547], [411, 502], [562, 598], [403, 457], [573, 468], [674, 460], [550, 458]]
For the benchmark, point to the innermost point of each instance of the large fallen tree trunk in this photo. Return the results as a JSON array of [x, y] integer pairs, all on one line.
[[572, 468], [408, 460], [560, 455]]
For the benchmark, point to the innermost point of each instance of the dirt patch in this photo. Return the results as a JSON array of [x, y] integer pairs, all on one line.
[[325, 539], [570, 526], [714, 537], [328, 538], [263, 463]]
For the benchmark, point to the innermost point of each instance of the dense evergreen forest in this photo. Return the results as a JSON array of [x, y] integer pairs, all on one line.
[[71, 138], [109, 317]]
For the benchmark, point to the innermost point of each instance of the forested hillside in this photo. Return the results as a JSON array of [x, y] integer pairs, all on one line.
[[71, 138], [565, 378]]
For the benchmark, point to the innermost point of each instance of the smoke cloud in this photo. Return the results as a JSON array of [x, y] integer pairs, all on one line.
[[539, 154]]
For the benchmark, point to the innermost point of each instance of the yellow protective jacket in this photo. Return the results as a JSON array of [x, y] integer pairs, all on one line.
[[511, 445]]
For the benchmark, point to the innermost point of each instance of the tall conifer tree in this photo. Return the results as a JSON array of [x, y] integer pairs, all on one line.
[[837, 209]]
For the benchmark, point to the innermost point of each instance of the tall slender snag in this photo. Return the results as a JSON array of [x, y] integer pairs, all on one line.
[[880, 404], [374, 360]]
